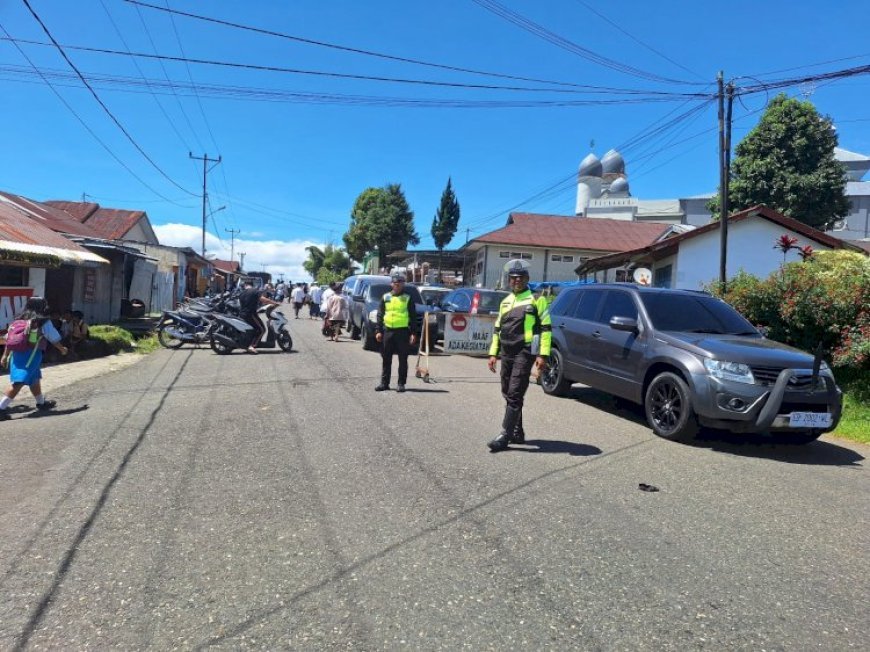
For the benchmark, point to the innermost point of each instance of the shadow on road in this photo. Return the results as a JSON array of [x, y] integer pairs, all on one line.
[[36, 414], [421, 390], [773, 447], [555, 446], [608, 403], [818, 453]]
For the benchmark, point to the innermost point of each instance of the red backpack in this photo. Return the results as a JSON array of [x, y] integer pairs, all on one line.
[[18, 335]]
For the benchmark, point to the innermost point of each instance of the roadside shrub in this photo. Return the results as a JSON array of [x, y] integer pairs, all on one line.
[[825, 298]]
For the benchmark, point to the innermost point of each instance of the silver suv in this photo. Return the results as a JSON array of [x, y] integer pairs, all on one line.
[[690, 359]]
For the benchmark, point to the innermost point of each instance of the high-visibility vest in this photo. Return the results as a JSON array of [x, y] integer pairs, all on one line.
[[536, 322], [396, 310]]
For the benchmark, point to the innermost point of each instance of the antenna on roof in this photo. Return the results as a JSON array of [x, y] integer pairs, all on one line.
[[592, 145]]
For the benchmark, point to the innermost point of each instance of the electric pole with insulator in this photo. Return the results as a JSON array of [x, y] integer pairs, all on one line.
[[205, 170]]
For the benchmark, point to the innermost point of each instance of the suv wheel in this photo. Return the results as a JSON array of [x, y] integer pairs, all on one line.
[[354, 332], [553, 379], [668, 407]]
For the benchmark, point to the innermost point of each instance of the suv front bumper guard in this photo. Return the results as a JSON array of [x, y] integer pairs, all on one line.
[[769, 412]]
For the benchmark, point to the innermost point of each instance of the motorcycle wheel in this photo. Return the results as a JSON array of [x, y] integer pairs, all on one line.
[[219, 347], [166, 339], [285, 341]]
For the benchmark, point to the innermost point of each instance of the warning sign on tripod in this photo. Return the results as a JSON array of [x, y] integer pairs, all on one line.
[[468, 334]]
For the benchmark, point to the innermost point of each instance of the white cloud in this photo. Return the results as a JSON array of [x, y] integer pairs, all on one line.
[[279, 256]]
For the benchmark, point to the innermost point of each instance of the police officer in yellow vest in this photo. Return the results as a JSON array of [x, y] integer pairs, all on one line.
[[523, 323], [397, 315]]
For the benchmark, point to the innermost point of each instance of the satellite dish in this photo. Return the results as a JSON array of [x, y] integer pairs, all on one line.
[[642, 276]]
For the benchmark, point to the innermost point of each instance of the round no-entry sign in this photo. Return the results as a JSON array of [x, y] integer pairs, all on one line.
[[458, 322]]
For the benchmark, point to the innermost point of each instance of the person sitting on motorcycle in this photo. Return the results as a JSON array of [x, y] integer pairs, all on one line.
[[249, 300]]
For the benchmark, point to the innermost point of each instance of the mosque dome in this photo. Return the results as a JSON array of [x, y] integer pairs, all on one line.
[[612, 162], [590, 166], [619, 185]]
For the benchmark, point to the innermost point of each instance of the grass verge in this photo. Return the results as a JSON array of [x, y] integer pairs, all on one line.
[[147, 344], [855, 424]]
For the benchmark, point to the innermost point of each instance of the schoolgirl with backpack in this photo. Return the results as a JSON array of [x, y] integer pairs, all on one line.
[[26, 339]]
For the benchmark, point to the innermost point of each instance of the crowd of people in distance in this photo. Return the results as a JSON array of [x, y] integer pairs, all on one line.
[[324, 302]]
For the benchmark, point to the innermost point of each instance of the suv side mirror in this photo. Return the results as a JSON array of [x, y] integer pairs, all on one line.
[[624, 324]]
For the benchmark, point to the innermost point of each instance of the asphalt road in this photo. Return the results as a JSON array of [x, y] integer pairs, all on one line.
[[277, 502]]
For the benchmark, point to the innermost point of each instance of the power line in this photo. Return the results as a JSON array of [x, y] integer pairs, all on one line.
[[166, 76], [637, 40], [102, 104], [397, 80], [142, 75], [542, 32], [352, 50], [132, 85], [87, 128], [192, 83]]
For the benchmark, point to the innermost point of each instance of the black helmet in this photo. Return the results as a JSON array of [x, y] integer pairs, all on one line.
[[516, 267]]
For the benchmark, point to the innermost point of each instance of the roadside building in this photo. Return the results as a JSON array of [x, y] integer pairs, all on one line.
[[110, 223], [553, 245], [33, 257], [689, 260]]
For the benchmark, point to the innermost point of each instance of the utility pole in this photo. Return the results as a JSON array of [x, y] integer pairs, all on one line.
[[241, 261], [724, 172], [205, 170], [232, 233], [467, 231]]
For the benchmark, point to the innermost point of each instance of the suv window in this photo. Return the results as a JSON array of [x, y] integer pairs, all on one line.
[[565, 303], [587, 307], [694, 314], [617, 304]]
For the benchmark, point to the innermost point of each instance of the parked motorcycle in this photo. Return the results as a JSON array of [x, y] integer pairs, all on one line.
[[232, 333], [178, 327]]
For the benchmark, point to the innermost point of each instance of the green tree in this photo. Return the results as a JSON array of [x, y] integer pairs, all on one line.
[[328, 264], [787, 163], [446, 221], [314, 261], [382, 221]]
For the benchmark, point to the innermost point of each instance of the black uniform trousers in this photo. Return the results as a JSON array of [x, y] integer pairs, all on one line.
[[515, 371], [395, 341]]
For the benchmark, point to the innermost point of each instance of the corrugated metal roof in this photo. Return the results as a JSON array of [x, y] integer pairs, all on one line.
[[110, 223], [25, 239], [558, 231], [48, 216], [80, 210]]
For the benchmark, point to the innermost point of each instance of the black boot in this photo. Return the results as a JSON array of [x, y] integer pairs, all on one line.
[[519, 435], [508, 425], [382, 387], [500, 443]]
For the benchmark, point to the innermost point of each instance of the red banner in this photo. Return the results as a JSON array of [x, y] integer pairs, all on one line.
[[12, 302]]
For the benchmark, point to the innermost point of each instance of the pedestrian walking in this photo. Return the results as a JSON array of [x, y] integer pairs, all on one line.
[[337, 315], [316, 296], [297, 297], [522, 338], [26, 339], [397, 315]]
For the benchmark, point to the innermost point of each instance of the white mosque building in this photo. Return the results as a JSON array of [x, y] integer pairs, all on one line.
[[603, 191]]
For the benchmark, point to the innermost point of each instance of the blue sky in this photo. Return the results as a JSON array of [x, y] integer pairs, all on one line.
[[292, 170]]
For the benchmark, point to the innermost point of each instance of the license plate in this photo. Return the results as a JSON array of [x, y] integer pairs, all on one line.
[[810, 420]]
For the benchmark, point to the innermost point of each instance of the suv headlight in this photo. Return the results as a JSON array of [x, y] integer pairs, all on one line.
[[736, 371]]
